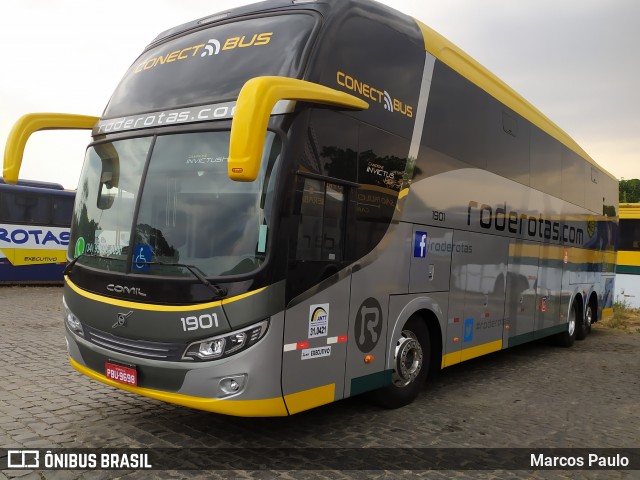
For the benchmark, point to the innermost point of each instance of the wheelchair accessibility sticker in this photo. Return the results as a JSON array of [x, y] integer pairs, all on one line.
[[141, 257]]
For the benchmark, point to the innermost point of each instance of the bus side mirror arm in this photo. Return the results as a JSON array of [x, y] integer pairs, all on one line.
[[31, 123], [253, 109]]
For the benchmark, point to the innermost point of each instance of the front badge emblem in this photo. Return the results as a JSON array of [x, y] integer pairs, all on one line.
[[122, 319]]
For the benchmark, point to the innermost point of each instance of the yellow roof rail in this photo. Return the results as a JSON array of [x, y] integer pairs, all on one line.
[[253, 109], [30, 123]]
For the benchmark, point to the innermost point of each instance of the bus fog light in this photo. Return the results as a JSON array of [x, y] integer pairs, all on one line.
[[71, 320], [232, 385]]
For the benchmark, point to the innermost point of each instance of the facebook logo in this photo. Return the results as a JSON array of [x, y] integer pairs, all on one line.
[[420, 245]]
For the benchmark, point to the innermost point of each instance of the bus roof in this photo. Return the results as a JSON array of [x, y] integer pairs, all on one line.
[[35, 184], [434, 43]]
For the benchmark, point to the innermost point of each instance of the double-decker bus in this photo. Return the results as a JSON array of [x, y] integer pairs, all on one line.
[[291, 203], [34, 231], [628, 265]]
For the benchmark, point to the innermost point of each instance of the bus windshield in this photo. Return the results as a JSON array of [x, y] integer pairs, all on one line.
[[212, 64], [190, 212]]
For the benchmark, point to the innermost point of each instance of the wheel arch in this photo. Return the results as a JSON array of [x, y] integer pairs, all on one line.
[[431, 314], [577, 300]]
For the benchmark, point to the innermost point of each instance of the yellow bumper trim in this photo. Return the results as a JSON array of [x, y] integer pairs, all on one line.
[[307, 399], [269, 407]]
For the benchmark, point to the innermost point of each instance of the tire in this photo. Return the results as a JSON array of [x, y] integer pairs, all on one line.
[[584, 327], [566, 339], [591, 310], [411, 366]]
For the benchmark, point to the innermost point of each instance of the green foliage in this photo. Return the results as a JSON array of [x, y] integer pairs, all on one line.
[[624, 318], [629, 191]]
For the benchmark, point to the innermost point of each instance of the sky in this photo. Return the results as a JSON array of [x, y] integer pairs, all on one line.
[[575, 60]]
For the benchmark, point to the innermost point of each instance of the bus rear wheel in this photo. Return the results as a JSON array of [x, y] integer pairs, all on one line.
[[584, 327], [411, 366], [567, 338]]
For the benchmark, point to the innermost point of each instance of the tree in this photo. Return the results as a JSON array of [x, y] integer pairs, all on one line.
[[629, 191]]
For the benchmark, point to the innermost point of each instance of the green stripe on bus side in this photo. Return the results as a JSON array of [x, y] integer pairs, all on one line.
[[520, 339], [370, 382], [628, 269], [530, 336]]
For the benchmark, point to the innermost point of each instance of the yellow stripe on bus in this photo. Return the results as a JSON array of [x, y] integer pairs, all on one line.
[[153, 307], [268, 407], [307, 399], [469, 353], [26, 256], [628, 258]]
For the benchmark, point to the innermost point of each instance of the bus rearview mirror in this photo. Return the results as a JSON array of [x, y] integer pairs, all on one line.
[[253, 109]]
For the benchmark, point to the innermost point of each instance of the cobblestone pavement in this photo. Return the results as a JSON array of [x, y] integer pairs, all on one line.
[[534, 395]]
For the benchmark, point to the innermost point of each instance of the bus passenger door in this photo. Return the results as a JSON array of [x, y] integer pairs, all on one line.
[[520, 302], [319, 284], [476, 305]]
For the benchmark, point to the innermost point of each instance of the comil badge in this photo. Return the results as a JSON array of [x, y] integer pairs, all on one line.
[[318, 320]]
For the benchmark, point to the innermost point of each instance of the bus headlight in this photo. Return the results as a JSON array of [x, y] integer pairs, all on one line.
[[71, 320], [224, 345]]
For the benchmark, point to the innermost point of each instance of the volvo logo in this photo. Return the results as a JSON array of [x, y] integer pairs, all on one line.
[[122, 319], [129, 290]]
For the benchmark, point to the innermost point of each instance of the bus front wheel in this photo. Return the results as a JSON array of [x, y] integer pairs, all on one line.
[[411, 366]]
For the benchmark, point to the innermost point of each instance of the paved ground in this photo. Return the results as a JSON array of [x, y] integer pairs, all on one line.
[[535, 395]]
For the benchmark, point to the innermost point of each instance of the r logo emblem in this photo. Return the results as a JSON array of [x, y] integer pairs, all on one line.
[[368, 325]]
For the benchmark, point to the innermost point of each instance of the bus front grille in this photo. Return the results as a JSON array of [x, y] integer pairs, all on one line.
[[137, 348]]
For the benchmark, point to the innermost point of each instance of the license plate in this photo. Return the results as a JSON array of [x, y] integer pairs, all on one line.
[[121, 374]]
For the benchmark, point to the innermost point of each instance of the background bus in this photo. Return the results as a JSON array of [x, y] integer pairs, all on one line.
[[34, 231], [628, 265]]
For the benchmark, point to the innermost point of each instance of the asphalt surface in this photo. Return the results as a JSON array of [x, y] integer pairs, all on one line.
[[531, 396]]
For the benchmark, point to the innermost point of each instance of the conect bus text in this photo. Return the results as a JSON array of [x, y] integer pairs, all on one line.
[[522, 224]]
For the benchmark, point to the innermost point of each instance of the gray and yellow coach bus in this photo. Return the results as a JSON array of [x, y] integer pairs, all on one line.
[[295, 202]]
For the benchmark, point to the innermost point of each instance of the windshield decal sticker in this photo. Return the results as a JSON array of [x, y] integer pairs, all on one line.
[[204, 113], [79, 249], [262, 239], [204, 158], [142, 257]]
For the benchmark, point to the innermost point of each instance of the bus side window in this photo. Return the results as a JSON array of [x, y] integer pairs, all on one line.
[[4, 208], [30, 209], [62, 210], [382, 160], [321, 206]]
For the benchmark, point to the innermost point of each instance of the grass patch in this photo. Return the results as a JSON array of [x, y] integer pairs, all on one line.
[[624, 318]]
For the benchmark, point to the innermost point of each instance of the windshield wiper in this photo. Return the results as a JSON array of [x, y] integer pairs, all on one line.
[[72, 263], [217, 289]]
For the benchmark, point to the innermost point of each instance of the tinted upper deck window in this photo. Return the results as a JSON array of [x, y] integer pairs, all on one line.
[[213, 64]]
